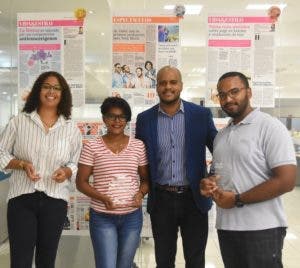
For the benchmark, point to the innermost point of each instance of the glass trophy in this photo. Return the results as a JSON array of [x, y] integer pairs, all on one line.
[[224, 171], [122, 189]]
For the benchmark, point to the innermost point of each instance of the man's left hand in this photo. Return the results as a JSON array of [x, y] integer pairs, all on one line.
[[224, 199]]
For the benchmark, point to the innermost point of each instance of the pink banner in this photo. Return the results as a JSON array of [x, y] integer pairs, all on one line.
[[39, 47], [49, 23], [236, 19], [229, 43]]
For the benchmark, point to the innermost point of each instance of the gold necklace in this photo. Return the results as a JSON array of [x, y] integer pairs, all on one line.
[[48, 125], [119, 148], [116, 148]]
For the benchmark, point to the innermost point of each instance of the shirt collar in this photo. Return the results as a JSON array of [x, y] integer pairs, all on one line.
[[34, 116], [181, 108], [247, 120]]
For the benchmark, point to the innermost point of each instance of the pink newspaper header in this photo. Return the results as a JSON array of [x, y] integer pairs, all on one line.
[[237, 19], [229, 43], [49, 23], [39, 47]]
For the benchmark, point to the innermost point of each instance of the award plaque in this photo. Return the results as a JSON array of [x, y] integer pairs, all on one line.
[[122, 189], [224, 171]]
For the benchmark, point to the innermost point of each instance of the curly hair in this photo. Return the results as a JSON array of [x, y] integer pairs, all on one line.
[[116, 102], [33, 101]]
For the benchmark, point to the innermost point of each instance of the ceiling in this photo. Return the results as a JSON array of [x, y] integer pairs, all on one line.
[[193, 34]]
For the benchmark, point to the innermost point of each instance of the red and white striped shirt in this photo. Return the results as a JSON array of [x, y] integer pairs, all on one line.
[[115, 175]]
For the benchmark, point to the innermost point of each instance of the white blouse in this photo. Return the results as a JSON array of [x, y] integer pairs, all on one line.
[[25, 138]]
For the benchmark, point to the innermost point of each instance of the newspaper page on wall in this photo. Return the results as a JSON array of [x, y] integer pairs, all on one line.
[[77, 220], [141, 45], [244, 43], [51, 42]]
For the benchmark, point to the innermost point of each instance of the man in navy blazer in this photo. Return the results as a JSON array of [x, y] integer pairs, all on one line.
[[176, 134]]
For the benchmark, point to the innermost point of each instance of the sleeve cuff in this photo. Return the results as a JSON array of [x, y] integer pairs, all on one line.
[[4, 162], [74, 169]]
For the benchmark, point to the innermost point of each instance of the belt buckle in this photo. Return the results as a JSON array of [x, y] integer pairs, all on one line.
[[180, 190]]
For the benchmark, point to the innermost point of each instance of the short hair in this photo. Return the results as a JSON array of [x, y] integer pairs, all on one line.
[[148, 61], [139, 68], [242, 77], [116, 102], [115, 65], [33, 101], [166, 68]]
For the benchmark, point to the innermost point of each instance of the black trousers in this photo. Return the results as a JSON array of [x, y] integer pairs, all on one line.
[[35, 221], [173, 211], [252, 249]]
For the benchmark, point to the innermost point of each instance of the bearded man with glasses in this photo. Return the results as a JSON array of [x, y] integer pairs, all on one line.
[[253, 165]]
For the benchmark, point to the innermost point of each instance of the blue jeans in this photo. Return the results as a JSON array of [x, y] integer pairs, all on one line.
[[115, 238]]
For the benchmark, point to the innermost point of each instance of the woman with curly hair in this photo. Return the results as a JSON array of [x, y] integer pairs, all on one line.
[[41, 146], [119, 167]]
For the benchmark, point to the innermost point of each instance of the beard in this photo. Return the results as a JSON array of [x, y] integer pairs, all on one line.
[[169, 102], [241, 109]]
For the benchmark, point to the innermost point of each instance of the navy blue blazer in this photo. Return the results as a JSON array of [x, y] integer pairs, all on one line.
[[200, 132]]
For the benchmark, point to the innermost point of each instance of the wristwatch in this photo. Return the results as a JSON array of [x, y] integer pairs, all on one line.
[[238, 202]]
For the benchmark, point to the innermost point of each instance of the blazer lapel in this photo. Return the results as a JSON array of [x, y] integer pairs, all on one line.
[[153, 127], [188, 128]]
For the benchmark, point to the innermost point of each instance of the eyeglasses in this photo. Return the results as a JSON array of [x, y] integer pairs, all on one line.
[[47, 86], [114, 117], [232, 93]]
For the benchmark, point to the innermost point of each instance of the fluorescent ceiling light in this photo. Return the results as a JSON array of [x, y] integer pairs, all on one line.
[[101, 71], [264, 6], [199, 70], [189, 9]]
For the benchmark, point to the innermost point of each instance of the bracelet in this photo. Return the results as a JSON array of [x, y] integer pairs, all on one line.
[[22, 164], [142, 193]]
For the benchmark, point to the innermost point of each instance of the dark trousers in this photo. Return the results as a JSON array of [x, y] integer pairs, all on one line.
[[252, 249], [35, 221], [171, 212]]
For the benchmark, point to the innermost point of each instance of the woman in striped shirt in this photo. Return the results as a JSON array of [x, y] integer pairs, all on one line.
[[41, 146], [119, 167]]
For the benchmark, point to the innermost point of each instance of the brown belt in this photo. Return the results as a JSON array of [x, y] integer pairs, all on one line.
[[173, 188]]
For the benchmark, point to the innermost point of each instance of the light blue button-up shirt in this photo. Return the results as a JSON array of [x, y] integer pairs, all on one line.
[[171, 148]]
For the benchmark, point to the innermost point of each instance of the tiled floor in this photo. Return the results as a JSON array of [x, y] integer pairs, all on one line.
[[76, 252]]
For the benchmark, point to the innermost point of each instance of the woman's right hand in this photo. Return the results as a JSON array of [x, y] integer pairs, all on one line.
[[108, 202], [138, 199], [30, 171]]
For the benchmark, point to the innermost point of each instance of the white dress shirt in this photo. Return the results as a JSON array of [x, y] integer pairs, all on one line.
[[25, 138]]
